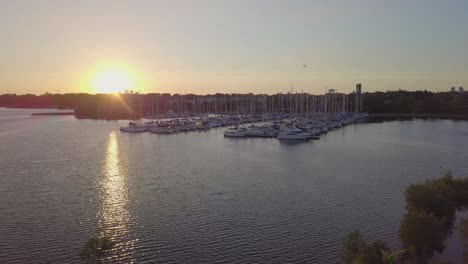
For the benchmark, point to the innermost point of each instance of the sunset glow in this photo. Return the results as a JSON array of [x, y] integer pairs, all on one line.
[[112, 81]]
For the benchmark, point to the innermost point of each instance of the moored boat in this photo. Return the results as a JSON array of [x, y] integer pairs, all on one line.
[[133, 128], [293, 134], [235, 132]]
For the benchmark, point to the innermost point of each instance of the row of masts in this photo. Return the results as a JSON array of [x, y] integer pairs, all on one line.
[[293, 104], [298, 104]]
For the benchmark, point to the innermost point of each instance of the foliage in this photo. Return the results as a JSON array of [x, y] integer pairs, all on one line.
[[444, 261], [417, 102], [434, 197], [424, 228], [464, 228], [353, 247], [460, 187], [356, 251], [431, 212], [374, 252], [423, 233], [440, 197], [464, 237], [392, 257]]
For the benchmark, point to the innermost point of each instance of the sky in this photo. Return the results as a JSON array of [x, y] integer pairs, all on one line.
[[257, 46]]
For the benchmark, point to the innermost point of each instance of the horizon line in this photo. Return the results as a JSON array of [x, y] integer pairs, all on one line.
[[208, 94]]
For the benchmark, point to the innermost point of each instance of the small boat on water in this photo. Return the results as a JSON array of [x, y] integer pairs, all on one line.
[[235, 132], [293, 134], [134, 128], [313, 133]]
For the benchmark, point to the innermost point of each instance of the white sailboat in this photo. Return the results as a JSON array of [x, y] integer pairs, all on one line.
[[133, 128], [293, 134], [235, 132]]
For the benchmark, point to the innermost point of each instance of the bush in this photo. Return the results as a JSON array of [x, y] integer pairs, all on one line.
[[423, 233], [374, 252], [433, 197], [424, 228], [461, 192], [358, 252], [354, 247]]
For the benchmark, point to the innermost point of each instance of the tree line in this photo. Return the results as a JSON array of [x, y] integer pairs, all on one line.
[[418, 102], [108, 106]]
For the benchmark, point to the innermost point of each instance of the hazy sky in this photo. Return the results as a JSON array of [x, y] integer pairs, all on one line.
[[234, 46]]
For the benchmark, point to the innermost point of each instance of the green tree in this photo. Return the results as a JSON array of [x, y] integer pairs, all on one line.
[[464, 236], [443, 261], [392, 257], [356, 251], [354, 247], [434, 197], [374, 253], [422, 233]]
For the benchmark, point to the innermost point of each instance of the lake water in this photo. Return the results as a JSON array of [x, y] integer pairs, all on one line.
[[201, 198]]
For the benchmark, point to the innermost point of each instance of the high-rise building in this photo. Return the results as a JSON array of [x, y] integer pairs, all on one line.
[[358, 88], [358, 98]]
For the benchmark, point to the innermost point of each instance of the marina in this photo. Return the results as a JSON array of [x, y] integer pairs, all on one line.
[[299, 116], [282, 126]]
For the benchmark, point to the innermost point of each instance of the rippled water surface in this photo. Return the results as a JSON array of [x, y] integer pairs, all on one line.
[[202, 198]]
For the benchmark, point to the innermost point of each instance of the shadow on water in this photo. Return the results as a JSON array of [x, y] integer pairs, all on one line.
[[287, 143], [96, 249]]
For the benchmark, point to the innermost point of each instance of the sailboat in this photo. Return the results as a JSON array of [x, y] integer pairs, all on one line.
[[293, 134], [133, 127]]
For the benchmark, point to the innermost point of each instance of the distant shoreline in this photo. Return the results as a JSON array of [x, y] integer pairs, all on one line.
[[35, 107], [53, 114], [423, 116]]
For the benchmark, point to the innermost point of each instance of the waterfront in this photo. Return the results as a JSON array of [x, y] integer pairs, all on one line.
[[202, 198]]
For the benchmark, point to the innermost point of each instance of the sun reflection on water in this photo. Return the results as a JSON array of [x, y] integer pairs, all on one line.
[[115, 218]]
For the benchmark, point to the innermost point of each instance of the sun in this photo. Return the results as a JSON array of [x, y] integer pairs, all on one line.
[[112, 81]]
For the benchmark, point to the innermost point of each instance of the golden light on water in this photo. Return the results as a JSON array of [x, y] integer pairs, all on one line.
[[115, 216]]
